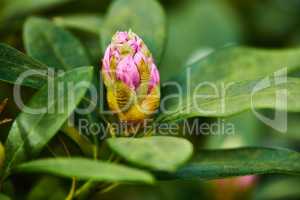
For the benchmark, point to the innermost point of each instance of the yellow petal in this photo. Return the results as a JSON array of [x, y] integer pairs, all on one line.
[[120, 97], [151, 102], [144, 72]]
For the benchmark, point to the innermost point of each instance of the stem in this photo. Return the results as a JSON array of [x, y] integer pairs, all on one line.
[[110, 187], [73, 186], [85, 190], [72, 190], [3, 104], [86, 147]]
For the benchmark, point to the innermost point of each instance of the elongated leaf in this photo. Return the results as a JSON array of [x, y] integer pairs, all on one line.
[[53, 45], [159, 152], [84, 22], [19, 8], [85, 169], [293, 127], [213, 164], [218, 74], [240, 96], [144, 17], [31, 131], [247, 132], [86, 27], [240, 63], [13, 64]]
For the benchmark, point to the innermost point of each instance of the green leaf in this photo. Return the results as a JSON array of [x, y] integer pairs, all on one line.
[[144, 17], [50, 188], [234, 72], [292, 135], [86, 169], [13, 63], [283, 188], [215, 164], [86, 27], [31, 131], [231, 63], [53, 45], [159, 152], [247, 132], [83, 22], [240, 96], [241, 63], [19, 8]]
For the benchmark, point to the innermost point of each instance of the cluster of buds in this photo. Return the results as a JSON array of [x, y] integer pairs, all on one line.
[[131, 78]]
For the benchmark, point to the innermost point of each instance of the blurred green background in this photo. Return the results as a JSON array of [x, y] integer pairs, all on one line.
[[197, 27]]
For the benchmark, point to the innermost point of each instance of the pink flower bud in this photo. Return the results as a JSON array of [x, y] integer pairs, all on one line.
[[128, 61], [123, 59]]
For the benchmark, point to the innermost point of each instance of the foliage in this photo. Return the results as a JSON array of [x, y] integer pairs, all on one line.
[[190, 45]]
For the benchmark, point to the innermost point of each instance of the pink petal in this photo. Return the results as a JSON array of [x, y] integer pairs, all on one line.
[[122, 37], [106, 60], [138, 57], [135, 45], [128, 73]]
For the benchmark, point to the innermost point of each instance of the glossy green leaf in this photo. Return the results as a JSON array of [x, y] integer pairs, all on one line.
[[240, 96], [14, 63], [158, 153], [240, 63], [215, 164], [230, 75], [31, 131], [86, 169], [86, 27], [247, 132], [83, 22], [53, 45], [144, 17], [293, 126]]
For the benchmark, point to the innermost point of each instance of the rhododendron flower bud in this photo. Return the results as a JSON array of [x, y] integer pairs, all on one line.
[[131, 78]]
